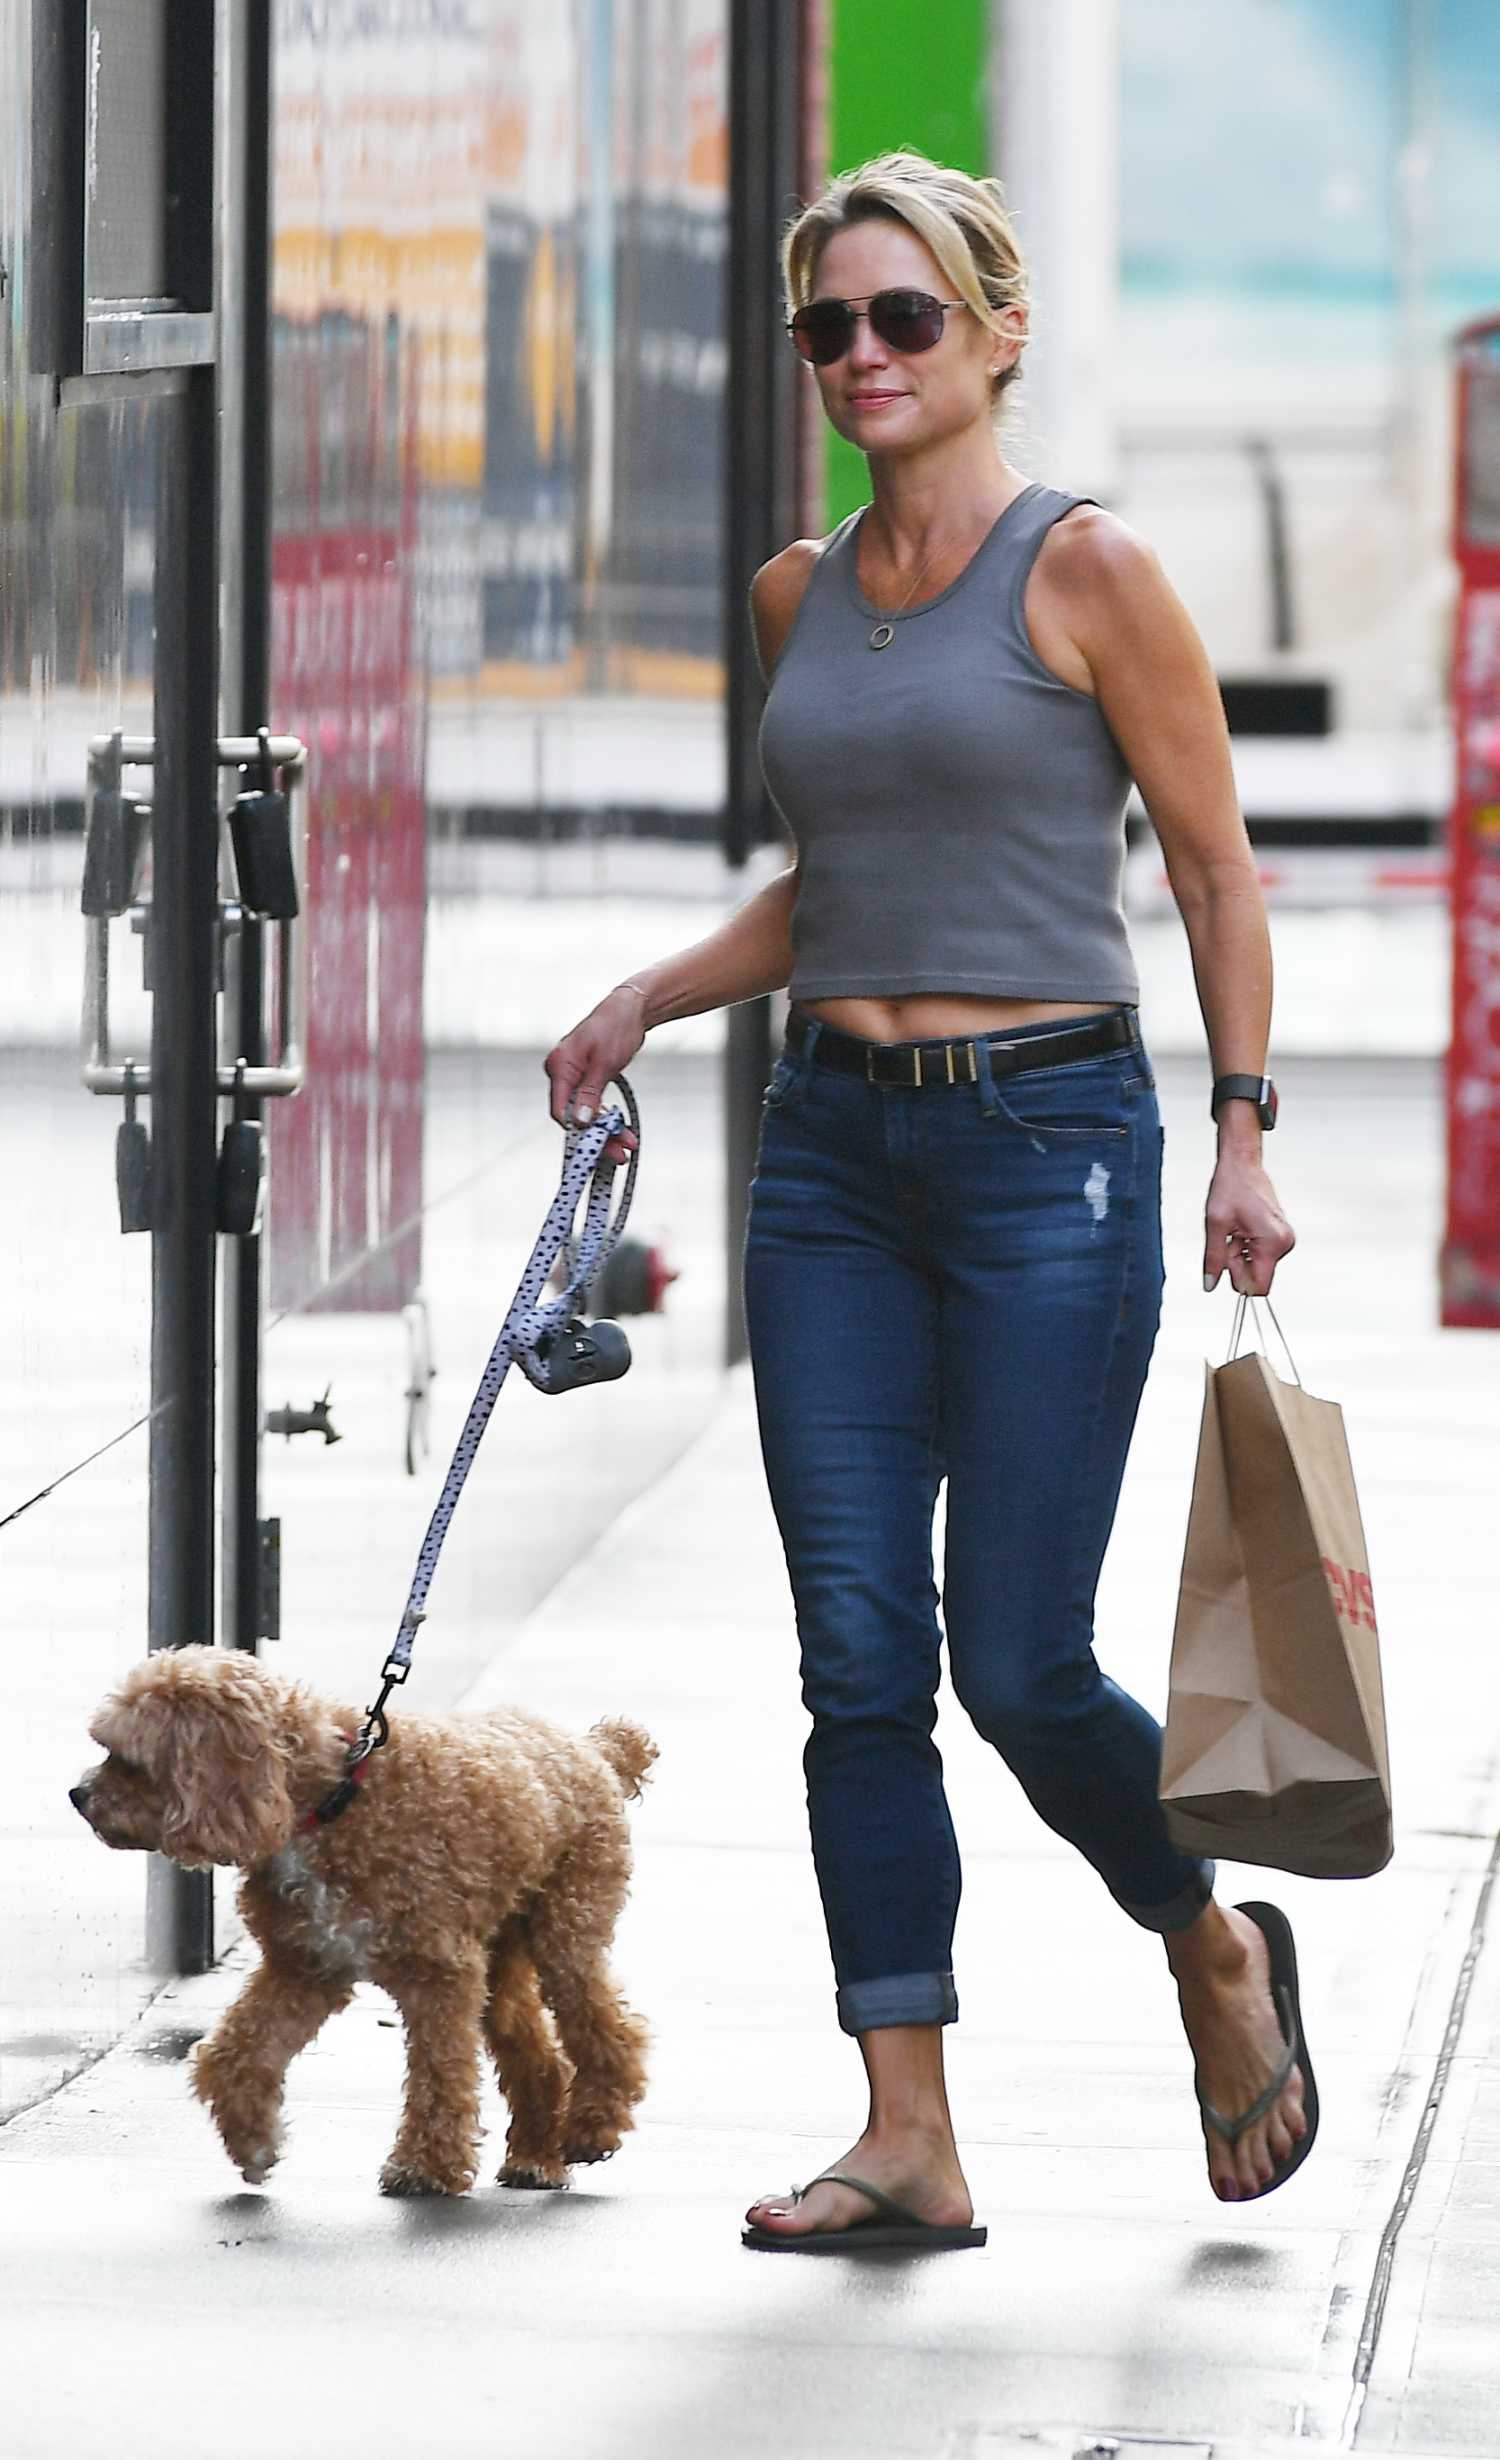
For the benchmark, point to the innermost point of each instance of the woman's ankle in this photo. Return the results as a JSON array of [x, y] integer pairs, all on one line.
[[890, 2130], [908, 2090], [1209, 1950], [925, 2137]]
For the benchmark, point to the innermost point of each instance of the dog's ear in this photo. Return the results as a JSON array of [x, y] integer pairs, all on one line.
[[224, 1765]]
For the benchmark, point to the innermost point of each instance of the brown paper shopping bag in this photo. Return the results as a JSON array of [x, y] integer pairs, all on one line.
[[1275, 1745]]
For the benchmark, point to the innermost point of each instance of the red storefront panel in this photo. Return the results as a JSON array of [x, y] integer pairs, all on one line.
[[1471, 1249]]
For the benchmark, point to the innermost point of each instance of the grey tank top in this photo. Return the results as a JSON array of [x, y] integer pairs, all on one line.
[[958, 811]]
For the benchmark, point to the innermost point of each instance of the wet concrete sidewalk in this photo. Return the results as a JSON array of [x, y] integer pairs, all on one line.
[[155, 2307]]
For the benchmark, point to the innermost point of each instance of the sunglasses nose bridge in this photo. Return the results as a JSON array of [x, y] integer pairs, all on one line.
[[864, 339]]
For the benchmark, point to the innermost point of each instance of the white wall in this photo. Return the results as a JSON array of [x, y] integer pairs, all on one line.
[[1053, 107]]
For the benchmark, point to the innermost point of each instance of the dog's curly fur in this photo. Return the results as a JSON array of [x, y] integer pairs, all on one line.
[[477, 1877]]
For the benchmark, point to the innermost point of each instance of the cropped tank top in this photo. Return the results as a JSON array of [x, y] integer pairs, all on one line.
[[958, 810]]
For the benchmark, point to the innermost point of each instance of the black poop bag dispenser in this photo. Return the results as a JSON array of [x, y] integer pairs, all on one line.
[[260, 830]]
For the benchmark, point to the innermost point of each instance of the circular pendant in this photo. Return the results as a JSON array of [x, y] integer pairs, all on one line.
[[882, 635]]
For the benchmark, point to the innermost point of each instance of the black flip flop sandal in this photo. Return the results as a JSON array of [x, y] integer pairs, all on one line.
[[892, 2226], [1277, 1930]]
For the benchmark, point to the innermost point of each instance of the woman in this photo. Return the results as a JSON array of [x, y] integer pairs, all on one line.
[[953, 1266]]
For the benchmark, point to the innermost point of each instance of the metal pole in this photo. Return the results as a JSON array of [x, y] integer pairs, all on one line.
[[1278, 551], [183, 928], [247, 426], [765, 63]]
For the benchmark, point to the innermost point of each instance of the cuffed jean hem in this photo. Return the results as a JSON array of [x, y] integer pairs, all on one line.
[[1179, 1911], [898, 1998]]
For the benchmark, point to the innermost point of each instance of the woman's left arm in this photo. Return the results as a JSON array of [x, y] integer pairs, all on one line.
[[1157, 690]]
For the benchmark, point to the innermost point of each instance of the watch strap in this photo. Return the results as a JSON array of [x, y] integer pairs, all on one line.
[[1256, 1089]]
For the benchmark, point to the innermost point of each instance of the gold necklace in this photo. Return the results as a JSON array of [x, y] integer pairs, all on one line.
[[885, 631]]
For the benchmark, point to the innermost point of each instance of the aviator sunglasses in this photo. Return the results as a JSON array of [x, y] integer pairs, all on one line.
[[907, 320]]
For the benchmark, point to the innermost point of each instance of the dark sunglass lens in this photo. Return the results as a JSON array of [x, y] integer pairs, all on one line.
[[821, 332], [907, 319]]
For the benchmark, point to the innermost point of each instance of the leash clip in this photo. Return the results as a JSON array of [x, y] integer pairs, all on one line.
[[375, 1731]]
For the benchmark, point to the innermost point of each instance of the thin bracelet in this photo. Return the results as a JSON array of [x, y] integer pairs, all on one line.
[[636, 987]]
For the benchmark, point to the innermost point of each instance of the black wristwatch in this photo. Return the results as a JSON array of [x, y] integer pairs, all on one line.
[[1256, 1089]]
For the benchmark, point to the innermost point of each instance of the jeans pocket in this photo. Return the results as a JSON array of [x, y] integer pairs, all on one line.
[[1059, 1105]]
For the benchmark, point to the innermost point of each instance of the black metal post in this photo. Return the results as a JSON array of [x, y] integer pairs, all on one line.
[[247, 688], [1278, 554], [54, 274], [765, 59], [184, 1060]]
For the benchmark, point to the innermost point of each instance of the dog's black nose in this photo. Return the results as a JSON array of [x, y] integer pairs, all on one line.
[[78, 1795]]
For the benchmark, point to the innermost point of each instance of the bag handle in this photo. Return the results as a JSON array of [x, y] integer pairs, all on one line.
[[1244, 1302]]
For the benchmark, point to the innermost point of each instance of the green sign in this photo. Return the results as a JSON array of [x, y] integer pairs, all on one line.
[[901, 73]]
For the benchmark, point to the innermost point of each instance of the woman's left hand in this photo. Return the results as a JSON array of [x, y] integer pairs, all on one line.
[[1247, 1231]]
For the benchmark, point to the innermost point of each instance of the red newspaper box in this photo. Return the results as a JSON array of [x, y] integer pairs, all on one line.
[[1470, 1271]]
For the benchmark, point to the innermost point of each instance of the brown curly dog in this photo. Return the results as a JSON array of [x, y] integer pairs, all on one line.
[[477, 1877]]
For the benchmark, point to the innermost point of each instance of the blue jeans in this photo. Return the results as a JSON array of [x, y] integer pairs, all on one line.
[[957, 1282]]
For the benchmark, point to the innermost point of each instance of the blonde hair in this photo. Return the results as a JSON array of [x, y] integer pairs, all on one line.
[[962, 220]]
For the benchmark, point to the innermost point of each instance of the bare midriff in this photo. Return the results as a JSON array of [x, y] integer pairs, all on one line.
[[934, 1017]]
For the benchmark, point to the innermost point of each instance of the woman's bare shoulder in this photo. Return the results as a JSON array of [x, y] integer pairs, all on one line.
[[1105, 594], [1090, 547], [777, 592]]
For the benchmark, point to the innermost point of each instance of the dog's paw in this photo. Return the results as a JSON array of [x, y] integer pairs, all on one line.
[[584, 2149], [399, 2178], [254, 2155], [531, 2174]]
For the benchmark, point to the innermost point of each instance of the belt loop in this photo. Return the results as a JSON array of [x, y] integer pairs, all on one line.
[[979, 1060], [814, 1026]]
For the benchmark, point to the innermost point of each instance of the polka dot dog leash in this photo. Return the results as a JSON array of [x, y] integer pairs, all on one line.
[[544, 1338]]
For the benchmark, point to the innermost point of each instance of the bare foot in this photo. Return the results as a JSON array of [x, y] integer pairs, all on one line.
[[920, 2171], [1224, 1989]]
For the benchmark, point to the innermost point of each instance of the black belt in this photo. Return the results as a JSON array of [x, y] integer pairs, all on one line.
[[912, 1064]]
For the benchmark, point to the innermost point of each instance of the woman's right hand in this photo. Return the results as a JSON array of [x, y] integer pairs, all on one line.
[[581, 1065]]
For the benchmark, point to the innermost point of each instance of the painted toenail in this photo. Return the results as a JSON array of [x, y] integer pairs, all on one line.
[[1229, 2191]]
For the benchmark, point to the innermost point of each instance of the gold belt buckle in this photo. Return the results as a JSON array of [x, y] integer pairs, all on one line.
[[916, 1065]]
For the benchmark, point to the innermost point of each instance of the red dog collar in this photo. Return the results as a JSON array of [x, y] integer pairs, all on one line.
[[334, 1804]]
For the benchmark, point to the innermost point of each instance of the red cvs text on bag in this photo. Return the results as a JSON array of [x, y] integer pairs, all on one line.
[[1352, 1593]]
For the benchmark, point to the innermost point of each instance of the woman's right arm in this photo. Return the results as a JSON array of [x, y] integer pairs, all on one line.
[[746, 957]]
